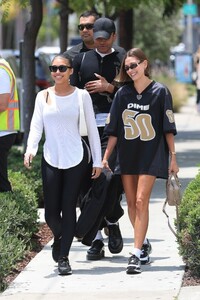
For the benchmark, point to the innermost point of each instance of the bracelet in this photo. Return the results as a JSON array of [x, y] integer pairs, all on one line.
[[173, 153]]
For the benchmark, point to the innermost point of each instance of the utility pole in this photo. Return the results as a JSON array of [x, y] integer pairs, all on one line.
[[189, 30]]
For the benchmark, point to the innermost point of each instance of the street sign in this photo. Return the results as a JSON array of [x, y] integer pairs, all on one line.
[[183, 67], [189, 9]]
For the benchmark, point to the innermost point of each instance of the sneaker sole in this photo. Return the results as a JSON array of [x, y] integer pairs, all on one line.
[[65, 272], [132, 270], [95, 256]]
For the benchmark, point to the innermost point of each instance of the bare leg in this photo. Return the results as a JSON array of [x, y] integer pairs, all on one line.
[[138, 190], [130, 188]]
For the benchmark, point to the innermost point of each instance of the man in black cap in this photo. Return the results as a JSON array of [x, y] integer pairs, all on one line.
[[95, 71]]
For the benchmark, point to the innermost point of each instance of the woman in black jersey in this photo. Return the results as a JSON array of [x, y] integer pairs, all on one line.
[[141, 124]]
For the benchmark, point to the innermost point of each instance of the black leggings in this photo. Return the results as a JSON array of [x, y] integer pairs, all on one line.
[[61, 188]]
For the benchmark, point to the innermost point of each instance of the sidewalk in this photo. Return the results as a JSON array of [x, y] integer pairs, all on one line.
[[106, 279]]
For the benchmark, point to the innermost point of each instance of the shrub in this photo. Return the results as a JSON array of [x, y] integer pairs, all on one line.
[[15, 163], [26, 200], [189, 219], [18, 219], [12, 250]]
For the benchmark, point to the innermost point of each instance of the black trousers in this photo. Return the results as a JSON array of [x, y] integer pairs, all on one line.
[[61, 188], [6, 143]]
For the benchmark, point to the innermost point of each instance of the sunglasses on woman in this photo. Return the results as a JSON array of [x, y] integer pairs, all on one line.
[[61, 68], [132, 66], [88, 26]]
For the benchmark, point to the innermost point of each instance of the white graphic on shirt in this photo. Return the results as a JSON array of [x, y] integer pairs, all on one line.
[[138, 106], [137, 125], [170, 116]]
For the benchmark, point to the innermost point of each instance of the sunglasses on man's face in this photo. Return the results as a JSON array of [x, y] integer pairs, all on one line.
[[132, 66], [88, 26], [61, 68]]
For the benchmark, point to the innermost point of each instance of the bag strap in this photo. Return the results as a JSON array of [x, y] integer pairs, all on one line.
[[177, 218], [82, 121], [165, 203], [46, 94], [175, 178]]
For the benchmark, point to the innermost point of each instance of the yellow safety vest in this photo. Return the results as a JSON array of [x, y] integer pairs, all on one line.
[[9, 119]]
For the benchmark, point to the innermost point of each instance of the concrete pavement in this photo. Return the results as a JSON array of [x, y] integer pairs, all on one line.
[[107, 279]]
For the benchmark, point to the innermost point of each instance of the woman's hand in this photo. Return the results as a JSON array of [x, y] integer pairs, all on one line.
[[106, 165], [173, 166], [96, 172], [28, 158]]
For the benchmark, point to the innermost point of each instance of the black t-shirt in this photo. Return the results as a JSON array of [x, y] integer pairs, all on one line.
[[90, 62], [140, 122]]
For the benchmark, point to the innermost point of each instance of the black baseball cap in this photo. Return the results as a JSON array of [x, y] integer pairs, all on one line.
[[103, 28]]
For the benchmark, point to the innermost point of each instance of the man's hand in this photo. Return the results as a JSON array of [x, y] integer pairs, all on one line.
[[97, 86]]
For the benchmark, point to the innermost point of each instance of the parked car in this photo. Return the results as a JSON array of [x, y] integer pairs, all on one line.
[[43, 58]]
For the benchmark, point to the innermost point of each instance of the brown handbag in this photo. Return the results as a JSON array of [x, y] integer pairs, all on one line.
[[173, 191], [173, 198]]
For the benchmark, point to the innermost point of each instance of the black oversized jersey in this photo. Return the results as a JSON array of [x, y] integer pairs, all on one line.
[[140, 122]]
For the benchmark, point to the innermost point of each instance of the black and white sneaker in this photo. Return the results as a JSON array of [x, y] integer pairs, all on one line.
[[146, 251], [134, 265], [64, 267]]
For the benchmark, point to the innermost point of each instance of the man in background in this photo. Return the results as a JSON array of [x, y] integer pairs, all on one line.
[[85, 27], [9, 120], [95, 70]]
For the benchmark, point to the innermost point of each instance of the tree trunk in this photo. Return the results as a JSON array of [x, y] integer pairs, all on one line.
[[28, 64], [64, 16], [126, 31]]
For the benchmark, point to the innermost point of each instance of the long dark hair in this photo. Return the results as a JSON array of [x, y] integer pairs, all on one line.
[[122, 77]]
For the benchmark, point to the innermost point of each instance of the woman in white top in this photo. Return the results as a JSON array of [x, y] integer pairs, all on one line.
[[65, 156]]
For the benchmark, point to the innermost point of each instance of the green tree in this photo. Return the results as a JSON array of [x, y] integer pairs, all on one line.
[[155, 33]]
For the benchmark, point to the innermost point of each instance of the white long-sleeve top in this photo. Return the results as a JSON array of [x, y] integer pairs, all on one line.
[[60, 121]]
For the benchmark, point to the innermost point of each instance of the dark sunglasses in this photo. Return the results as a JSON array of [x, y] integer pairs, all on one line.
[[132, 66], [88, 26], [61, 68]]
